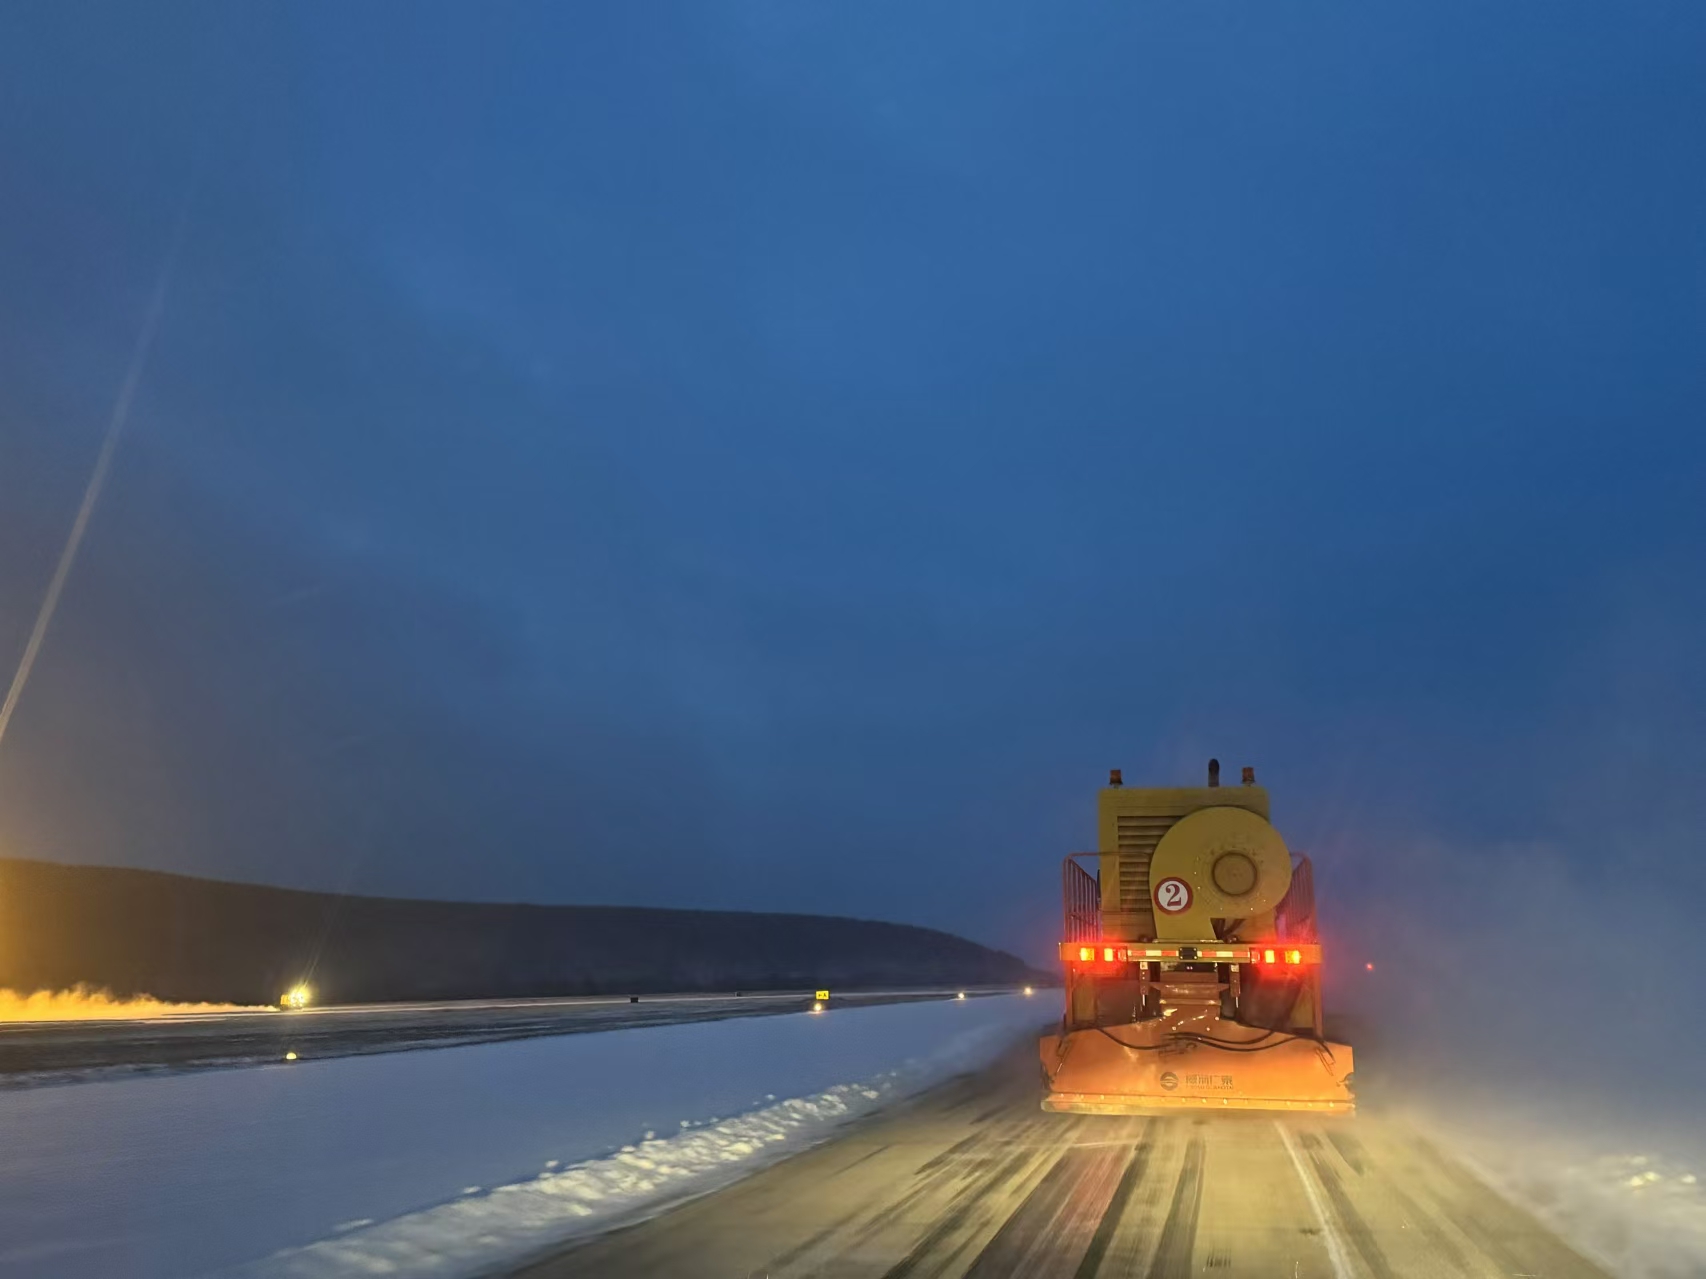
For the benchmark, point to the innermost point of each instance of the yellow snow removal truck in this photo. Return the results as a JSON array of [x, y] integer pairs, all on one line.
[[1193, 967]]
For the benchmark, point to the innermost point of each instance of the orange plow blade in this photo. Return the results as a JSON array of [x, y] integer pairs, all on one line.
[[1144, 1067]]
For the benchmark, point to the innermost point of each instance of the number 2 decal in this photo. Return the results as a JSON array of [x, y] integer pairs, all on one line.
[[1173, 896]]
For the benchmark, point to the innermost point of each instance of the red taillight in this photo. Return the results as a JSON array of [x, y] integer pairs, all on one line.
[[1085, 954]]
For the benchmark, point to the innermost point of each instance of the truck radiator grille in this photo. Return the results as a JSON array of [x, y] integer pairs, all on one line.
[[1135, 837]]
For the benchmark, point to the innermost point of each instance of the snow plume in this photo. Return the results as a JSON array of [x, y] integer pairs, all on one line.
[[1521, 968], [84, 1004], [1617, 1189], [1528, 1008]]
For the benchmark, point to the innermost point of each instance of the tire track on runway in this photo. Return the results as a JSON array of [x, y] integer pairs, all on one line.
[[1350, 1150], [1428, 1223], [1356, 1228], [869, 1154], [1329, 1233], [1179, 1232], [956, 1151], [967, 1203], [879, 1212], [1109, 1225], [882, 1209], [1051, 1230]]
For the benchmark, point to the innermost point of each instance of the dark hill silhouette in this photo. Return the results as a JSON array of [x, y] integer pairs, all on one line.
[[137, 932]]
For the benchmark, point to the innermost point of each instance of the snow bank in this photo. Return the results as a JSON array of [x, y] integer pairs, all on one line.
[[511, 1221], [449, 1161]]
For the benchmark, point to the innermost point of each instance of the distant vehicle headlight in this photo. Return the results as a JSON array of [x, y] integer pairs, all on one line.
[[298, 996]]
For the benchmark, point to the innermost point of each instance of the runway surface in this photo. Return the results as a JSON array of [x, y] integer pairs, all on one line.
[[973, 1180], [35, 1053]]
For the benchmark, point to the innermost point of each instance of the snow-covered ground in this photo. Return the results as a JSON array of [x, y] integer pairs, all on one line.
[[445, 1162]]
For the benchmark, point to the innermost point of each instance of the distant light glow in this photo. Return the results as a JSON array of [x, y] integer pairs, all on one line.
[[961, 995], [298, 996], [1029, 992], [817, 1006], [1369, 967], [290, 1056], [83, 1003]]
